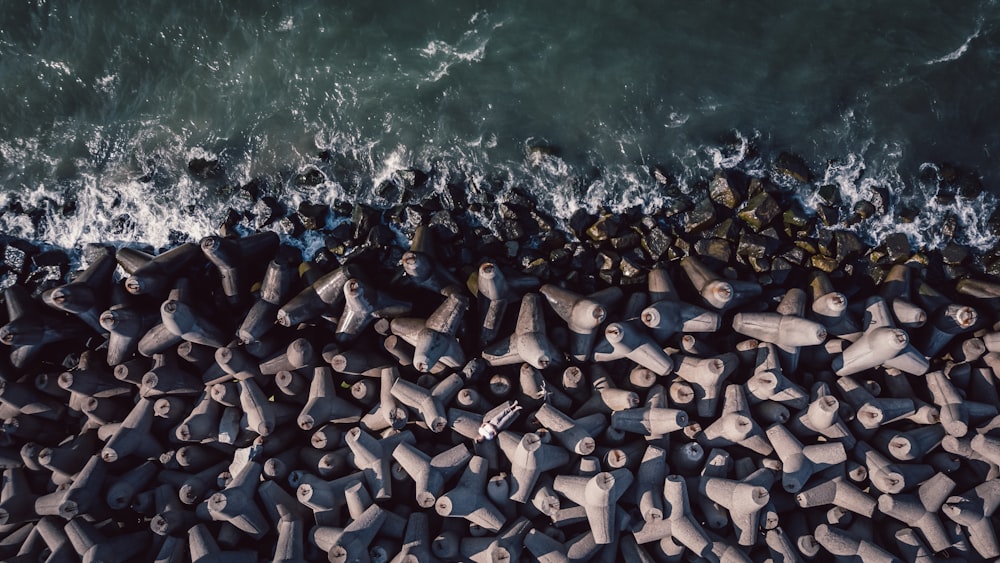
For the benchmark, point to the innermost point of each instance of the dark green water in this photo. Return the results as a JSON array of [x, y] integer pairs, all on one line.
[[98, 96]]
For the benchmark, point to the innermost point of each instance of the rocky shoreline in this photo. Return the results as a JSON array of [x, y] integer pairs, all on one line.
[[733, 378]]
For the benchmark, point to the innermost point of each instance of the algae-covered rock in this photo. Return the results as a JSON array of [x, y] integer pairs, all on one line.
[[728, 188], [760, 211], [700, 217]]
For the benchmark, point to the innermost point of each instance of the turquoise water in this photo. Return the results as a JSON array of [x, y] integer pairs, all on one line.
[[105, 102]]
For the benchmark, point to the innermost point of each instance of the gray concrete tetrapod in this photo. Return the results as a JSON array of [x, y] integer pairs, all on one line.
[[974, 510], [324, 296], [920, 510], [786, 329], [468, 499], [707, 377], [429, 404], [86, 296], [882, 344], [718, 292], [433, 338], [430, 473], [599, 496], [629, 339], [496, 291], [582, 314], [768, 382], [736, 426], [364, 304], [529, 343], [800, 463], [529, 457]]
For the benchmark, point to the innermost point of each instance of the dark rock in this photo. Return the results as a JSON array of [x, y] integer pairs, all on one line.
[[955, 254], [824, 243], [410, 218], [312, 215], [753, 245], [204, 169], [539, 268], [544, 222], [896, 248], [759, 264], [627, 240], [907, 214], [701, 217], [54, 258], [231, 219], [848, 245], [760, 211], [381, 236], [795, 255], [792, 166], [453, 197], [608, 260], [862, 210], [824, 263], [728, 188], [267, 210], [781, 270], [311, 177], [661, 175], [828, 214], [561, 256], [444, 227], [716, 253], [511, 229], [363, 219], [580, 221], [795, 216], [728, 229], [829, 194], [410, 178], [17, 255], [949, 227], [607, 226], [656, 241], [676, 206], [880, 199], [290, 225]]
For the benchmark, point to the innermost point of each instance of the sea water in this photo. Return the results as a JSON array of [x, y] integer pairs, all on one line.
[[103, 104]]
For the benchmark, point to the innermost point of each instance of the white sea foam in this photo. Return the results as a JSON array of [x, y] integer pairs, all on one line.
[[954, 55]]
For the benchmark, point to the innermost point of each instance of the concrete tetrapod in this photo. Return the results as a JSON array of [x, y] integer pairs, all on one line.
[[735, 426], [529, 343], [882, 344], [829, 308], [237, 259], [719, 293], [706, 377], [429, 404], [529, 457], [496, 291], [430, 474], [974, 510], [468, 499], [920, 510], [800, 463], [599, 496], [275, 290], [680, 525], [324, 296], [362, 306], [787, 329], [149, 275], [668, 315], [583, 314], [433, 338], [743, 499], [87, 295], [628, 339]]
